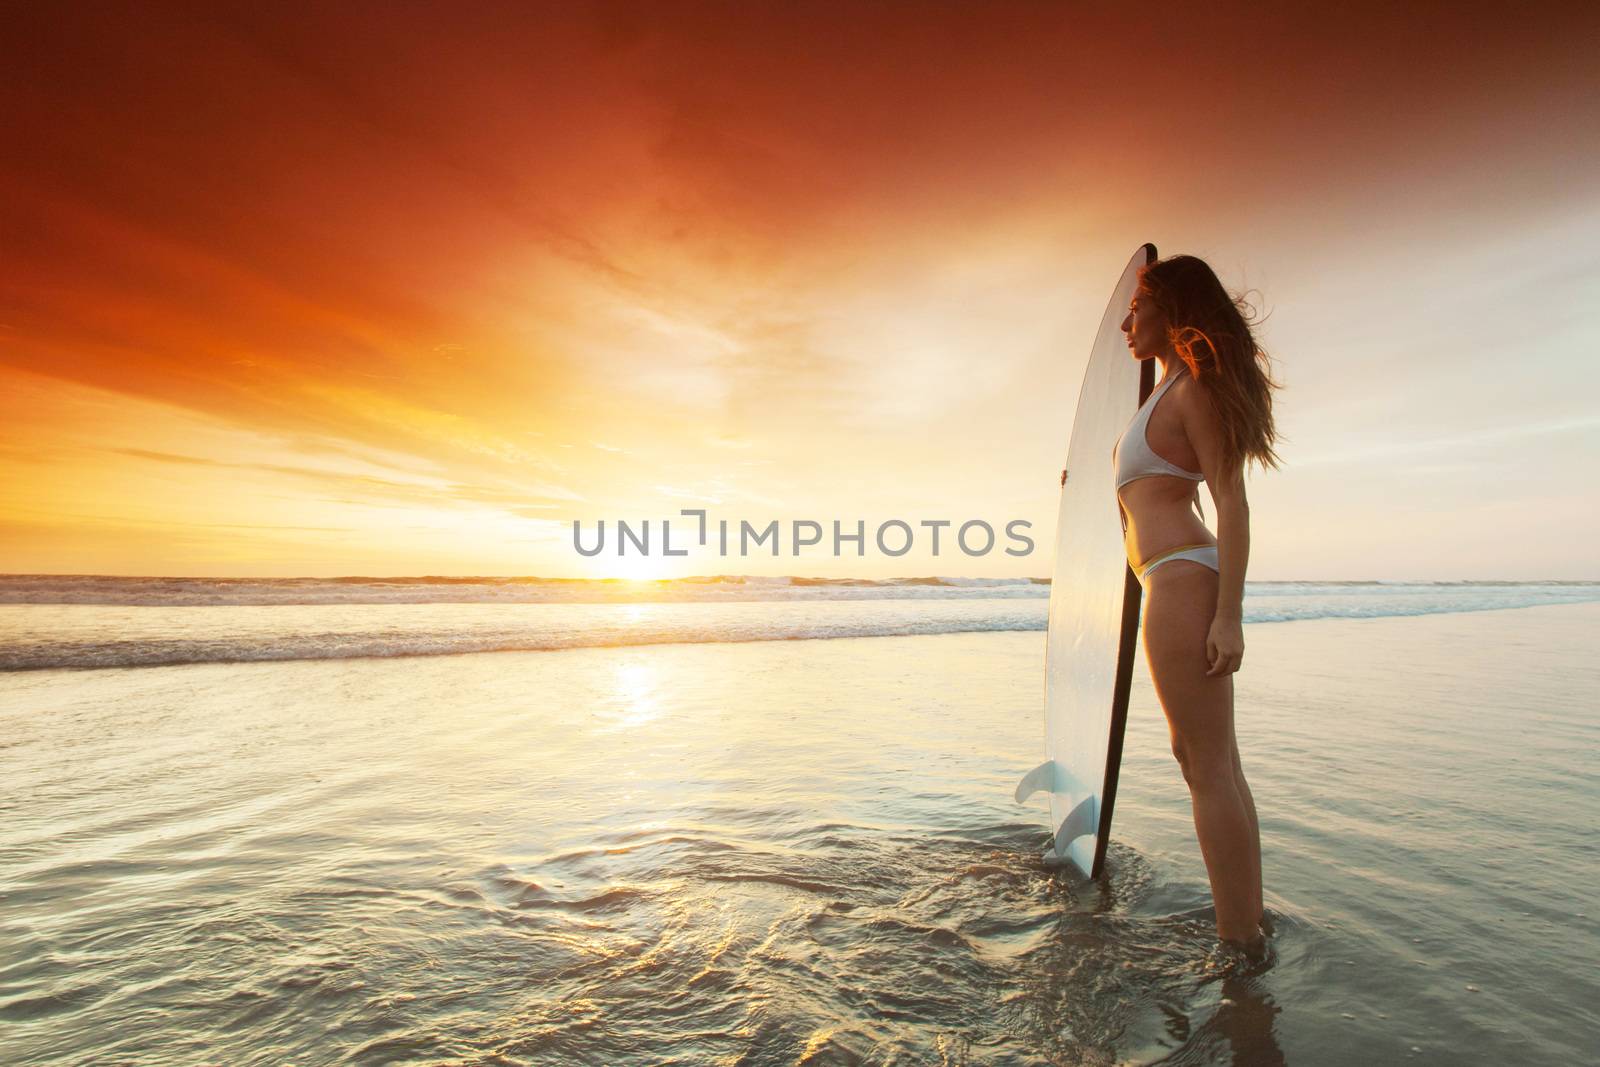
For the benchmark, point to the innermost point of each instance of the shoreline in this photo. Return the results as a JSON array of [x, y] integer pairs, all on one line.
[[413, 631]]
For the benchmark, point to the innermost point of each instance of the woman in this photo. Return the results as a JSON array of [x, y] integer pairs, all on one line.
[[1210, 416]]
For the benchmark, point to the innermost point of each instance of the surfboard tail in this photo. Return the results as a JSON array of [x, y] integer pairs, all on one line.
[[1083, 818]]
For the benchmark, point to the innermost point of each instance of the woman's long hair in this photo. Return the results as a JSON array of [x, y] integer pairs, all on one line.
[[1210, 332]]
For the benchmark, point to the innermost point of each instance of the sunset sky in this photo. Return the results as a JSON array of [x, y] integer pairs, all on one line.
[[406, 289]]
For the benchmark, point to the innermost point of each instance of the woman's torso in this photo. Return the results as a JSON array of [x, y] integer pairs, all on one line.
[[1158, 508]]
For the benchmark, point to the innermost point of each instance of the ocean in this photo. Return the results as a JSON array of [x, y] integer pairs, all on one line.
[[751, 821]]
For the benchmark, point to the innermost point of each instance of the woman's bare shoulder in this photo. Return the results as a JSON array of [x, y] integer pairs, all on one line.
[[1200, 418], [1194, 398]]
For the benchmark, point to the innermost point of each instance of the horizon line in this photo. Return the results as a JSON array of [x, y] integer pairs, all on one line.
[[721, 577]]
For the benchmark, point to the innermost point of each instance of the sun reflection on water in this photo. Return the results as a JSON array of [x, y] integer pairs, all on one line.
[[636, 686]]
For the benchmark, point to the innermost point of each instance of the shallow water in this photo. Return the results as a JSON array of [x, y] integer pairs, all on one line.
[[780, 852]]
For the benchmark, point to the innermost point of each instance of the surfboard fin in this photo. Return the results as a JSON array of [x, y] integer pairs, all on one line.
[[1042, 778], [1050, 777], [1084, 819]]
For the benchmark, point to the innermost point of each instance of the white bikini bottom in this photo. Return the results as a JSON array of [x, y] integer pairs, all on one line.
[[1203, 554]]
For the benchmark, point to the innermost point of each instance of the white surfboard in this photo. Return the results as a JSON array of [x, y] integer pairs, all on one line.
[[1094, 604]]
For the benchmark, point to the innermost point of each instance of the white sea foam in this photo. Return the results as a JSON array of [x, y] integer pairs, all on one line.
[[175, 592], [87, 622]]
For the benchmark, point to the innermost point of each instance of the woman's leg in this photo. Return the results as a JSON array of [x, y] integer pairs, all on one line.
[[1180, 601], [1255, 825]]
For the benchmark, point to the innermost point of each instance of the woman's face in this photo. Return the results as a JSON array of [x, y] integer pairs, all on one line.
[[1145, 327]]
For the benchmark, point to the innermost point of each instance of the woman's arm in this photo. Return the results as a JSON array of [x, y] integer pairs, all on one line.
[[1233, 548], [1225, 645]]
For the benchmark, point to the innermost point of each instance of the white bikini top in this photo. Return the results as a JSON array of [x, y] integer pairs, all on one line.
[[1138, 460]]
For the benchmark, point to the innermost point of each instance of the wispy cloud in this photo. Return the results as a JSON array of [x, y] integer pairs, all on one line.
[[519, 499]]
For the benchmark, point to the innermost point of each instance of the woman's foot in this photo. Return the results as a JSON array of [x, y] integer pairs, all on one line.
[[1253, 944], [1240, 959], [1255, 949]]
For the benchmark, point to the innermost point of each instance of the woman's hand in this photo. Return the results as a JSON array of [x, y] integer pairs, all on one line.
[[1224, 646]]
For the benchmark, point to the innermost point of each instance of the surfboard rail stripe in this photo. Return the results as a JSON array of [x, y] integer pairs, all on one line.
[[1132, 602]]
